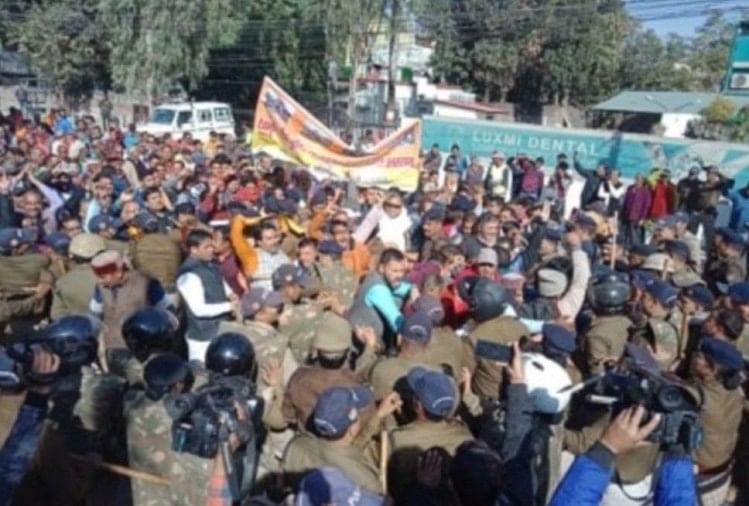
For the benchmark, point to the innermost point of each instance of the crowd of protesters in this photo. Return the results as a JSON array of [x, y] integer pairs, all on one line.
[[359, 311]]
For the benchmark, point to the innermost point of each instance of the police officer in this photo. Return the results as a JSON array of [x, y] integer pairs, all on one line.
[[73, 291], [259, 312], [609, 331], [58, 244], [299, 318], [488, 303], [25, 279], [727, 267], [149, 435], [339, 283], [659, 335], [433, 402], [106, 227], [445, 349], [156, 253], [716, 369], [413, 342], [329, 367], [336, 423], [145, 332]]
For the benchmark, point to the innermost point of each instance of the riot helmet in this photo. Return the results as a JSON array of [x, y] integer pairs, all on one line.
[[162, 372], [74, 340], [546, 382], [147, 331], [488, 300], [609, 293], [230, 354]]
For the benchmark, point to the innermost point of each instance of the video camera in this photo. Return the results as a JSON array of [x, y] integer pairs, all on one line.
[[16, 361], [631, 383], [204, 420]]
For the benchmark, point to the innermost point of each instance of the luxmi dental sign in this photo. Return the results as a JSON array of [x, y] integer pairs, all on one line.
[[519, 142]]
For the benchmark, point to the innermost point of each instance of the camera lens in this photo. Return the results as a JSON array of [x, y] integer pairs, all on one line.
[[670, 398]]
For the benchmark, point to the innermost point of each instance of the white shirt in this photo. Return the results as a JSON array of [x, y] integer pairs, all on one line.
[[191, 289]]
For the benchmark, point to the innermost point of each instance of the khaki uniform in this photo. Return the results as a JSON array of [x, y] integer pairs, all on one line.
[[121, 247], [339, 280], [388, 374], [306, 452], [409, 441], [605, 339], [73, 291], [299, 323], [149, 438], [446, 349], [487, 376], [720, 418], [18, 274], [306, 386], [159, 256], [696, 254]]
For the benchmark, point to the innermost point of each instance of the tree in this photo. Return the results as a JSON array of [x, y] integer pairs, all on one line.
[[154, 44], [710, 50], [64, 43]]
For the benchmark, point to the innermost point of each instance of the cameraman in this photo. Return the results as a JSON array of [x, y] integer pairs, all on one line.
[[716, 370], [20, 447], [587, 480]]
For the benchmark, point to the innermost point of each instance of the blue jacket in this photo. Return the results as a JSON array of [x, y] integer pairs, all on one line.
[[740, 209], [20, 447], [586, 481]]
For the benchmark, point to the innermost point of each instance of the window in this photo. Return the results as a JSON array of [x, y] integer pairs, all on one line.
[[184, 117], [222, 114], [205, 116], [163, 116]]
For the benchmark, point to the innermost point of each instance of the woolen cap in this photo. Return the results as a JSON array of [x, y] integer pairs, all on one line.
[[487, 256], [551, 283]]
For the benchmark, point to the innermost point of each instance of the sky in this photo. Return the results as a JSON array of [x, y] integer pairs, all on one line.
[[683, 17]]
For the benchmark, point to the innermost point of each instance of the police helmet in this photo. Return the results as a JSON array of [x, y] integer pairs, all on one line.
[[488, 300], [73, 339], [162, 372], [546, 381], [147, 331], [230, 354], [609, 293]]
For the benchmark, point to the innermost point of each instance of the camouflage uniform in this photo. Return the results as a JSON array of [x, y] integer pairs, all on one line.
[[299, 323], [339, 280], [662, 337], [149, 439]]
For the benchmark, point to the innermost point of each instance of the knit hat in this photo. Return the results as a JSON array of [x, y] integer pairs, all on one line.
[[551, 283]]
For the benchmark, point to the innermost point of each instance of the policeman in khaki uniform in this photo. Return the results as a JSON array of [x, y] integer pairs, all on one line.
[[433, 402], [58, 244], [154, 253], [106, 227], [489, 302], [336, 423], [659, 335], [299, 318], [728, 266], [716, 369], [445, 347], [339, 284], [329, 367], [74, 290], [389, 373], [24, 276], [609, 330]]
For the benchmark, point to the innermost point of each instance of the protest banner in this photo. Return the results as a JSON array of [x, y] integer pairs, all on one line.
[[286, 131]]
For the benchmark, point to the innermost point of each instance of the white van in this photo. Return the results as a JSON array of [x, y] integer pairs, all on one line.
[[198, 118]]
